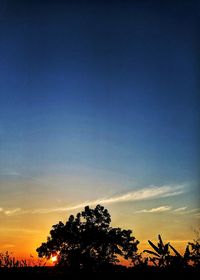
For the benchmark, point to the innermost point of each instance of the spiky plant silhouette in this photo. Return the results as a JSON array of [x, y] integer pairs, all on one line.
[[162, 256]]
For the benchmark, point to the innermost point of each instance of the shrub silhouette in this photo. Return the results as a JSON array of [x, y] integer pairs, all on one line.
[[7, 260], [192, 251], [162, 256], [88, 242]]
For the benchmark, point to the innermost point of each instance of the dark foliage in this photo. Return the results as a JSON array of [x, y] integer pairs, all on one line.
[[88, 242], [192, 251], [166, 256]]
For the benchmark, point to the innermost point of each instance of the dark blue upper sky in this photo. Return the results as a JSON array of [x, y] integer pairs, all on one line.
[[104, 84]]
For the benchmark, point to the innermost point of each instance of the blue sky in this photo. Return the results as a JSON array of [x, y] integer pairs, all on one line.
[[103, 85], [98, 95]]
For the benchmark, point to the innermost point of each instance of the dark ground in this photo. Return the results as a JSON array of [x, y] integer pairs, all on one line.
[[44, 273]]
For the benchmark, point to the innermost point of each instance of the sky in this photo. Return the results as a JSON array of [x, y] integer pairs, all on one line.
[[99, 103]]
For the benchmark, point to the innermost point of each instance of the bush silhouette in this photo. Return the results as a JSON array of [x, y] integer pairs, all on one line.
[[192, 251], [88, 242], [162, 256], [7, 260]]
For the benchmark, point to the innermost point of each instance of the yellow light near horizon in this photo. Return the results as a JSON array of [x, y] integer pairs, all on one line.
[[54, 259]]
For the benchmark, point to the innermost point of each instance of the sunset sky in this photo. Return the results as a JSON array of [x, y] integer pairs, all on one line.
[[99, 103]]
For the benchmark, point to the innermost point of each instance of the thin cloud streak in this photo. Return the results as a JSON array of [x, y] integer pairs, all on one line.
[[12, 212], [180, 209], [9, 173], [159, 209], [151, 192], [183, 211]]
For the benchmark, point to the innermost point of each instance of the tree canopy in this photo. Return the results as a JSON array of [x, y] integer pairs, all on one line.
[[87, 241]]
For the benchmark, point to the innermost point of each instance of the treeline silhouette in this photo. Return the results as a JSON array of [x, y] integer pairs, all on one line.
[[87, 243]]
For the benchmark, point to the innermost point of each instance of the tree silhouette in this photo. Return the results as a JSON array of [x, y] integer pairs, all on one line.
[[88, 242]]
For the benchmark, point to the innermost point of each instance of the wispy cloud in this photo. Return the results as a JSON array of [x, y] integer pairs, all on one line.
[[185, 211], [8, 172], [155, 210], [12, 211], [180, 209], [195, 211], [151, 192]]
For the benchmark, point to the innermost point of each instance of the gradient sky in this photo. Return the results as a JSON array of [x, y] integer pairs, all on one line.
[[99, 102]]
